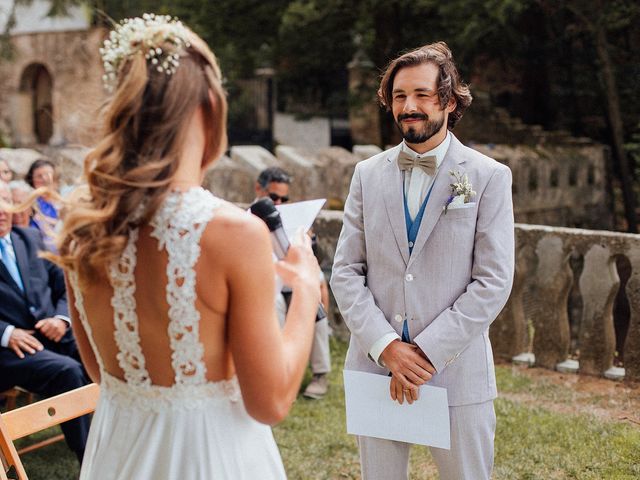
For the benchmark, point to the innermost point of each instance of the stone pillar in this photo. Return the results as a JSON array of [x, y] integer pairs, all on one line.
[[508, 332], [632, 343], [364, 112], [551, 286], [599, 284], [265, 95]]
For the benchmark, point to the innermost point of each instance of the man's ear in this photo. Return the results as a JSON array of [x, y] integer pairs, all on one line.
[[451, 106], [257, 188]]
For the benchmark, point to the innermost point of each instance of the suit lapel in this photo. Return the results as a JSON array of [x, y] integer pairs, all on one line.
[[439, 195], [393, 196], [22, 259]]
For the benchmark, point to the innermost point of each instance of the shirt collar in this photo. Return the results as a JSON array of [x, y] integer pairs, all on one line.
[[7, 238], [440, 151]]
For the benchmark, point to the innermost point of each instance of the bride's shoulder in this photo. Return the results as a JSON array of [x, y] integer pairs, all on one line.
[[234, 226]]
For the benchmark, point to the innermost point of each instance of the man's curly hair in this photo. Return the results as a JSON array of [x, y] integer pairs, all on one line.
[[450, 85]]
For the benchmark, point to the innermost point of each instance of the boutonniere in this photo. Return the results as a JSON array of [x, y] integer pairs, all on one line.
[[461, 190]]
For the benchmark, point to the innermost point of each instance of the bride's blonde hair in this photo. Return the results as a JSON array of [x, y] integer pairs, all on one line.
[[129, 172]]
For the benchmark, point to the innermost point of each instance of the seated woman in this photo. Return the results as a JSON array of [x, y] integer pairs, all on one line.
[[42, 173], [173, 287]]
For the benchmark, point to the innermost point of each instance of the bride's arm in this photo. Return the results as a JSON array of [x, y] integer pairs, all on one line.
[[269, 362], [82, 341]]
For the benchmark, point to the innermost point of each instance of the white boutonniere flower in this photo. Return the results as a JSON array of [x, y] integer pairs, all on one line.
[[461, 191]]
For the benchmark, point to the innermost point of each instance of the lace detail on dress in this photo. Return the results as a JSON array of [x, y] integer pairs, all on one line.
[[79, 303], [156, 398], [125, 319], [178, 225]]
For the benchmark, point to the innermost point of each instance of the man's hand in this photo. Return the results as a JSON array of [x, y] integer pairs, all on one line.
[[408, 365], [399, 393], [52, 328], [23, 341]]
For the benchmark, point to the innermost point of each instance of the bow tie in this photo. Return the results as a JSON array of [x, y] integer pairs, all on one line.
[[406, 161]]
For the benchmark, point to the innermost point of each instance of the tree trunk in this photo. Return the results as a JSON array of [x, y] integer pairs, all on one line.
[[617, 130]]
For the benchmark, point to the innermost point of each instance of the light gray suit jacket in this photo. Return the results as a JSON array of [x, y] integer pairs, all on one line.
[[450, 288]]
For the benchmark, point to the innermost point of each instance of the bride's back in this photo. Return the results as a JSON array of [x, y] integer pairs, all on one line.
[[166, 303], [169, 282]]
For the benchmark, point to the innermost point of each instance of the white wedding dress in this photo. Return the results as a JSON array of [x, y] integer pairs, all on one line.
[[194, 429]]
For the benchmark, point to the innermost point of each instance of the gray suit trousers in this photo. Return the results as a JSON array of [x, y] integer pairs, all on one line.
[[470, 458]]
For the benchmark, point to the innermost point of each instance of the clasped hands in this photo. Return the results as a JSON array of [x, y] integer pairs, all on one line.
[[23, 340], [409, 368]]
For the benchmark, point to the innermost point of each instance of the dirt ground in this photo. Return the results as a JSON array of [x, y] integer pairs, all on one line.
[[606, 399]]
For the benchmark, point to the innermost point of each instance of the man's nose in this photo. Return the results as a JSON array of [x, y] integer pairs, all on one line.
[[410, 105]]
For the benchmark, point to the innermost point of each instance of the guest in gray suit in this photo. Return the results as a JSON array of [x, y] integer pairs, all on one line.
[[425, 263]]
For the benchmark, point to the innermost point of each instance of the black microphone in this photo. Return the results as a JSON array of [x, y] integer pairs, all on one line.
[[265, 209]]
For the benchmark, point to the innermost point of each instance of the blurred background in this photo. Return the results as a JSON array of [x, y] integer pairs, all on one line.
[[542, 73]]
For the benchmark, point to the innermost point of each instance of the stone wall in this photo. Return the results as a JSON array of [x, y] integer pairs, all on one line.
[[73, 63], [311, 133], [560, 186], [554, 185], [536, 317]]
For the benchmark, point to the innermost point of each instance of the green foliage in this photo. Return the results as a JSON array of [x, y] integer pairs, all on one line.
[[314, 47]]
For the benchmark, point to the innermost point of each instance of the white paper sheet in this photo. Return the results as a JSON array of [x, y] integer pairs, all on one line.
[[299, 214], [372, 413]]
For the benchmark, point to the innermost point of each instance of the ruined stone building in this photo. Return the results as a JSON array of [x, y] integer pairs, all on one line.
[[50, 89]]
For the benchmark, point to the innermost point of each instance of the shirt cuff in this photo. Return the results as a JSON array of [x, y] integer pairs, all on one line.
[[380, 345], [4, 341], [64, 317]]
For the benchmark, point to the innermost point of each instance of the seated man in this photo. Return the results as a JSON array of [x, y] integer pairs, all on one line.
[[37, 349], [20, 191], [274, 182]]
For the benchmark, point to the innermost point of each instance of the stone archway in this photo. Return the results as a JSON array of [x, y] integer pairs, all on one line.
[[36, 104]]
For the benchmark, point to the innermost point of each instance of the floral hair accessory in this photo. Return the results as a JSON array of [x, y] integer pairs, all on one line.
[[160, 38], [461, 190]]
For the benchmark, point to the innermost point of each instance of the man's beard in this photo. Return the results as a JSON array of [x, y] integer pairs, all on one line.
[[428, 130]]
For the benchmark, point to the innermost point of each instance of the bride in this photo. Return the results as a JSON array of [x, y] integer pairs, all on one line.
[[174, 288]]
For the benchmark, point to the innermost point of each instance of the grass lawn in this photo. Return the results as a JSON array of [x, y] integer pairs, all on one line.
[[545, 431]]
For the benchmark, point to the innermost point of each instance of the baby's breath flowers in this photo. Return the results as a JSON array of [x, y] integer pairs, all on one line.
[[160, 38], [461, 191]]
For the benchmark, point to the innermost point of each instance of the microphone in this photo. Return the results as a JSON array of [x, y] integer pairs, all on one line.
[[265, 209]]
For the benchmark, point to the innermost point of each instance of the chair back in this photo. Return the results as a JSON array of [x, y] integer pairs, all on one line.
[[39, 416]]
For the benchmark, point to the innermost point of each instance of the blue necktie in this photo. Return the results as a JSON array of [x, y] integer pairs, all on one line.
[[10, 263]]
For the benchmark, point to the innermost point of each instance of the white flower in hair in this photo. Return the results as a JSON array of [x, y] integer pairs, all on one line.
[[160, 38]]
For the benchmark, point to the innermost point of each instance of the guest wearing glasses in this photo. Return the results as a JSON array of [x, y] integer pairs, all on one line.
[[20, 193], [38, 351], [274, 182]]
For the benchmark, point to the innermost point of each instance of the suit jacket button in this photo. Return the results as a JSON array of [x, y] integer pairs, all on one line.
[[408, 277], [398, 318]]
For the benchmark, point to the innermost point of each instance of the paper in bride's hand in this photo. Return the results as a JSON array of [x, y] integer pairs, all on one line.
[[299, 214], [372, 413]]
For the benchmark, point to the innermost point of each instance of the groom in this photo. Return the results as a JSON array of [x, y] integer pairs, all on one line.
[[424, 264]]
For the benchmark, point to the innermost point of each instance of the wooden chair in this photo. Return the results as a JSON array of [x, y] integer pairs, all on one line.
[[12, 395], [38, 416]]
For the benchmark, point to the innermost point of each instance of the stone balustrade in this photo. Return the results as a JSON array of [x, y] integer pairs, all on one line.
[[562, 302]]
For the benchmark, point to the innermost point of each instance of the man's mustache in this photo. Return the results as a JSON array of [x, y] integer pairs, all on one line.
[[418, 116]]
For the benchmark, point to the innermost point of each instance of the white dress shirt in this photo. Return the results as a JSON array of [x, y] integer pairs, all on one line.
[[6, 335], [416, 186]]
